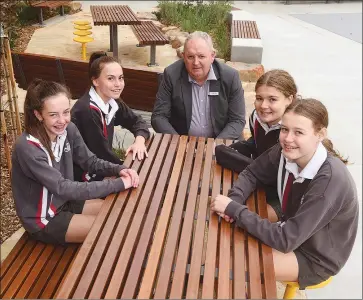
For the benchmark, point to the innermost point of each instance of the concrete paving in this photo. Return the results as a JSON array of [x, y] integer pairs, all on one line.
[[348, 25], [326, 66]]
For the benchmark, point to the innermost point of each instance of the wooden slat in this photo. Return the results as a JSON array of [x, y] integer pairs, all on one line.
[[148, 34], [135, 269], [160, 232], [186, 234], [198, 240], [121, 231], [16, 266], [51, 4], [245, 30], [32, 277], [59, 272], [225, 244], [239, 266], [267, 257], [13, 255], [125, 257], [253, 259], [211, 253], [43, 279], [113, 15], [174, 228], [24, 271], [88, 245]]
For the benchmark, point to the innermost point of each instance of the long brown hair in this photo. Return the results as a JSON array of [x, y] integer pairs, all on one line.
[[315, 111], [96, 63], [38, 92], [280, 80]]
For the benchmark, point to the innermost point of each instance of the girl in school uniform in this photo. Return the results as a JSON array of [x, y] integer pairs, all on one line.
[[315, 235], [275, 90], [51, 206], [99, 110]]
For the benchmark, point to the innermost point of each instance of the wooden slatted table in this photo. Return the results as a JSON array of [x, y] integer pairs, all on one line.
[[113, 15], [49, 4], [161, 240]]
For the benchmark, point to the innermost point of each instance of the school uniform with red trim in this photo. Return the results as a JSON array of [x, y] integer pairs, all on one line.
[[41, 186], [240, 154], [96, 120], [320, 210]]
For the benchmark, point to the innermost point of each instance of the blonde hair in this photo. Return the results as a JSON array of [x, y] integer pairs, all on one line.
[[280, 80]]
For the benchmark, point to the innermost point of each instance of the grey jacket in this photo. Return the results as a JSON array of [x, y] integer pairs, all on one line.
[[322, 224], [42, 186], [173, 106]]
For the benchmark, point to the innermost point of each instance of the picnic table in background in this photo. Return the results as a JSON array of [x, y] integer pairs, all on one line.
[[113, 15], [161, 240]]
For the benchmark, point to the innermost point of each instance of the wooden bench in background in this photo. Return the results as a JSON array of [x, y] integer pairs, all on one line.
[[49, 4], [34, 270], [245, 30], [246, 42], [149, 35], [140, 86]]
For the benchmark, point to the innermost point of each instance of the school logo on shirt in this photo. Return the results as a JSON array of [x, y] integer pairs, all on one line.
[[67, 147]]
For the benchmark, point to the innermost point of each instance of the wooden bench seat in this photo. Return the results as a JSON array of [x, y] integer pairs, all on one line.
[[245, 30], [74, 74], [149, 35], [49, 4], [34, 270]]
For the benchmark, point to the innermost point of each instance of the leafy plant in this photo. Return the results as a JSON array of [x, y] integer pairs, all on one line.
[[211, 17]]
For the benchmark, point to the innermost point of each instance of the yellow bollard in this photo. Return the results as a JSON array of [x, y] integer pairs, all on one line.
[[82, 27], [82, 32], [83, 40], [292, 287], [81, 22]]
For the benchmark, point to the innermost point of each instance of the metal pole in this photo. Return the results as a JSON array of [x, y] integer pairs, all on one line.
[[152, 56], [62, 10], [111, 41], [41, 16], [114, 41]]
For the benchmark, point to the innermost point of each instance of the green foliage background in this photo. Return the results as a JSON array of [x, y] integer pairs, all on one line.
[[210, 17]]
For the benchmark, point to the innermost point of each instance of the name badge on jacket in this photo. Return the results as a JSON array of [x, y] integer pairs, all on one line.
[[213, 94]]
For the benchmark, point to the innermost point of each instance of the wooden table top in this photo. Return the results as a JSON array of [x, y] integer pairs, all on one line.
[[113, 15], [161, 240]]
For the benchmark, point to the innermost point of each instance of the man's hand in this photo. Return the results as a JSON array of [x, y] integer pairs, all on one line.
[[133, 176], [219, 204], [138, 148]]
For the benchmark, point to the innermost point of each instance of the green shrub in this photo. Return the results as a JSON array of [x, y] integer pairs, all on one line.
[[211, 17], [26, 14]]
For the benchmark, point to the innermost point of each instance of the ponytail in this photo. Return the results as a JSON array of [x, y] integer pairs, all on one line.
[[330, 148]]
